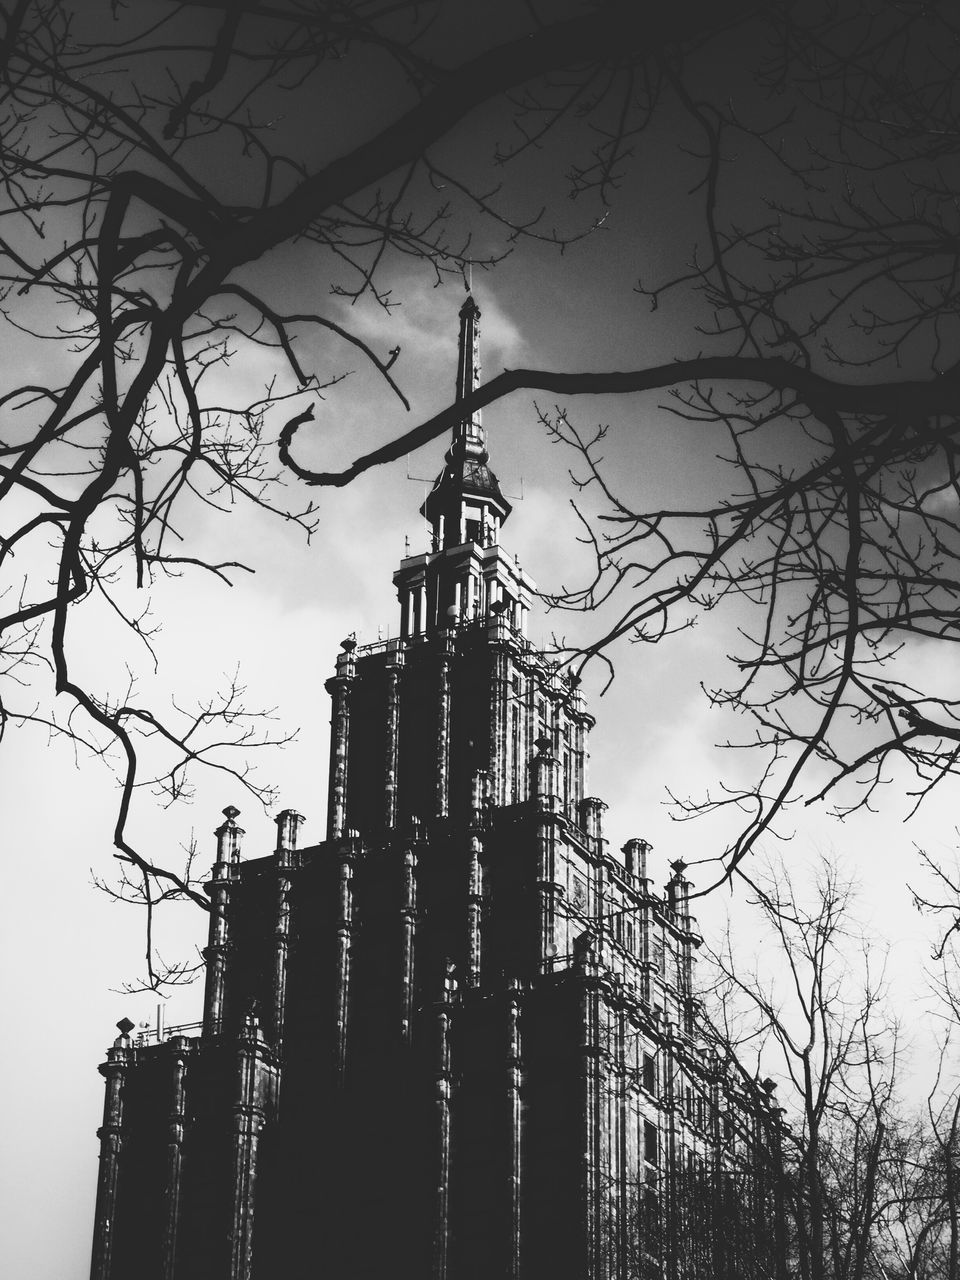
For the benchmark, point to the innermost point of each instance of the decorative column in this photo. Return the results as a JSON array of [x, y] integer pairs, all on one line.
[[339, 688], [547, 801], [635, 860], [220, 888], [678, 893], [582, 722], [178, 1048], [248, 1118], [629, 1068], [591, 1051], [409, 613], [110, 1134], [591, 815], [671, 1171], [421, 610], [349, 852], [515, 1111], [442, 1092], [408, 933], [475, 879], [636, 853], [614, 1106], [288, 831], [390, 796], [442, 791], [499, 691]]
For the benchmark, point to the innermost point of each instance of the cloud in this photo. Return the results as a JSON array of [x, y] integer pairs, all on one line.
[[425, 326]]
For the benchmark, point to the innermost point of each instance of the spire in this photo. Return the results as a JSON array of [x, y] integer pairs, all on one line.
[[468, 433], [465, 504]]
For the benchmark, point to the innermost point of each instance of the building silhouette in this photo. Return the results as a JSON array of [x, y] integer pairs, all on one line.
[[459, 1037]]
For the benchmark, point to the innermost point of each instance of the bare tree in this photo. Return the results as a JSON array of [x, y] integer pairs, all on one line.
[[822, 363], [826, 308], [150, 161], [835, 545], [824, 1030]]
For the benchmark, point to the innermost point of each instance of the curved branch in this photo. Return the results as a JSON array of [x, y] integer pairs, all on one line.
[[906, 398]]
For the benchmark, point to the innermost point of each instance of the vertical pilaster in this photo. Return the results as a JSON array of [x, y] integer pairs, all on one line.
[[630, 1239], [442, 1092], [605, 1148], [679, 892], [174, 1176], [408, 934], [408, 614], [582, 722], [248, 1117], [421, 609], [669, 1156], [475, 880], [530, 731], [110, 1133], [635, 853], [547, 802], [590, 1092], [220, 889], [390, 797], [515, 1113], [499, 689], [288, 830], [445, 662], [339, 688], [614, 1145], [349, 852]]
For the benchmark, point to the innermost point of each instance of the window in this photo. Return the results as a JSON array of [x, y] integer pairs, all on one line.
[[651, 1143], [649, 1073]]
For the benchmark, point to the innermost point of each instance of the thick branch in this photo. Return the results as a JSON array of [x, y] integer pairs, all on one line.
[[909, 399]]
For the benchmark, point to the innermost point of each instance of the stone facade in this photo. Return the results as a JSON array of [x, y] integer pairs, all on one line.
[[458, 1038]]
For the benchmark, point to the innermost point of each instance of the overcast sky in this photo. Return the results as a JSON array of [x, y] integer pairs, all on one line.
[[67, 948]]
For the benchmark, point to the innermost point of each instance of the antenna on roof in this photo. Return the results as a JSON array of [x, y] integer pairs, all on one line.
[[418, 479]]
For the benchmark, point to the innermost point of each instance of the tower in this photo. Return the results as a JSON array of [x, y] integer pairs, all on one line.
[[458, 1038]]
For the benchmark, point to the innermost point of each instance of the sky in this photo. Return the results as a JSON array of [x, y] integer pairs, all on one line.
[[68, 949]]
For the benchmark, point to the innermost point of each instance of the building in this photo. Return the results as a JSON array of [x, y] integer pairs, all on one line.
[[458, 1038]]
